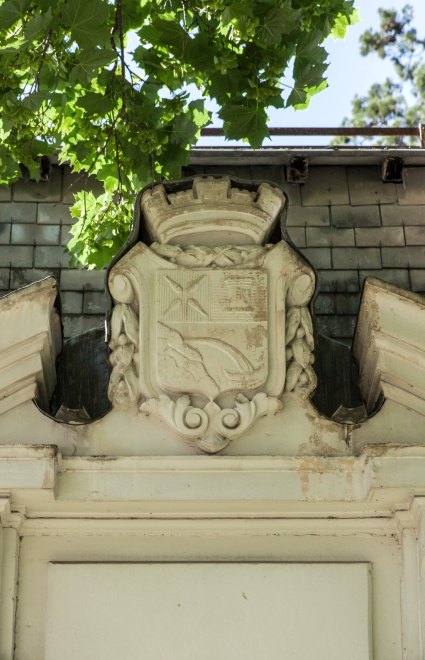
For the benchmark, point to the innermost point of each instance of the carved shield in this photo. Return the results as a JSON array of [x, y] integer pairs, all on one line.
[[211, 328], [210, 331]]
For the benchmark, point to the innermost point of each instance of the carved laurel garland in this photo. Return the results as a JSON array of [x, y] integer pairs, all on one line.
[[201, 256], [123, 387], [299, 340]]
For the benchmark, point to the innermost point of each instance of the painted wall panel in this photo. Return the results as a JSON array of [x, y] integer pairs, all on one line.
[[193, 611]]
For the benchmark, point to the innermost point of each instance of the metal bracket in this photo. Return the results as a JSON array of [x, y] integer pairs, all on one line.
[[422, 135], [297, 170], [392, 170]]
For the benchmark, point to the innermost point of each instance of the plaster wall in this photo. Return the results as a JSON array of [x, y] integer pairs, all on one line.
[[78, 567]]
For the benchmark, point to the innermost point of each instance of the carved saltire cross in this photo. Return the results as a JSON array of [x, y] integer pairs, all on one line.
[[211, 325]]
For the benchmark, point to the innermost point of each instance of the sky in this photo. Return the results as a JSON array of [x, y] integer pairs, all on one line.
[[348, 74]]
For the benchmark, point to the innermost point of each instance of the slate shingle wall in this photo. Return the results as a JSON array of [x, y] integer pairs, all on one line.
[[34, 227], [345, 220], [350, 225]]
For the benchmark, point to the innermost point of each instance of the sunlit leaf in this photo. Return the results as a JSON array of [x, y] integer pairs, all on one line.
[[245, 122]]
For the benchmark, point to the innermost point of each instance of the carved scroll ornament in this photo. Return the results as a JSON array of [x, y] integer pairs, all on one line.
[[211, 427]]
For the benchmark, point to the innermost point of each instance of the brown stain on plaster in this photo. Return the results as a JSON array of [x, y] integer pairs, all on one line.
[[319, 466], [322, 447], [254, 337], [349, 478], [304, 481], [379, 449], [323, 425], [49, 478], [102, 458], [309, 465]]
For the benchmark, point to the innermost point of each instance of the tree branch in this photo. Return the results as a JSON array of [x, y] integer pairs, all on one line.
[[121, 52]]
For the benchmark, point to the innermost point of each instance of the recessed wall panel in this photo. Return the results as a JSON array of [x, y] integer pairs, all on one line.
[[208, 611]]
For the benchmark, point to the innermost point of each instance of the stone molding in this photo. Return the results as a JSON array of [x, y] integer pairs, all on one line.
[[30, 340], [389, 346], [370, 483]]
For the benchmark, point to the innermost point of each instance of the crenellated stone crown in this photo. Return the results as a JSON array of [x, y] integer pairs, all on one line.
[[212, 212]]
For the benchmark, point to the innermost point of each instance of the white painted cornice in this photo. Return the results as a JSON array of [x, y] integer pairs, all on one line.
[[380, 482], [389, 345], [30, 340]]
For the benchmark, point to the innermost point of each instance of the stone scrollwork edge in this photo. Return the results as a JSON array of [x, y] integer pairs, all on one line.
[[211, 428]]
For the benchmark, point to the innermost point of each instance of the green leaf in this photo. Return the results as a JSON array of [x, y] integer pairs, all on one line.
[[310, 63], [111, 183], [278, 22], [200, 52], [89, 61], [95, 104], [200, 116], [87, 20], [340, 26], [276, 101], [184, 130], [307, 93], [95, 58], [175, 156], [39, 23], [297, 98], [48, 77], [170, 33], [308, 49], [236, 12], [135, 13], [309, 75], [11, 11], [35, 100], [245, 122], [355, 16], [342, 22]]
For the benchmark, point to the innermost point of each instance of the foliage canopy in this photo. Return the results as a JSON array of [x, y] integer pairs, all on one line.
[[119, 88], [400, 100]]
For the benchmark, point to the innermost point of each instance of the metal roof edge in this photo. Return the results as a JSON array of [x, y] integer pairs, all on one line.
[[360, 156]]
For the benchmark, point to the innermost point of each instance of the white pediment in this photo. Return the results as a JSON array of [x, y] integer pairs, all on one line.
[[30, 340], [389, 346]]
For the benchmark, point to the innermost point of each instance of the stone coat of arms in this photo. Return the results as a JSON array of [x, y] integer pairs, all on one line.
[[210, 324]]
